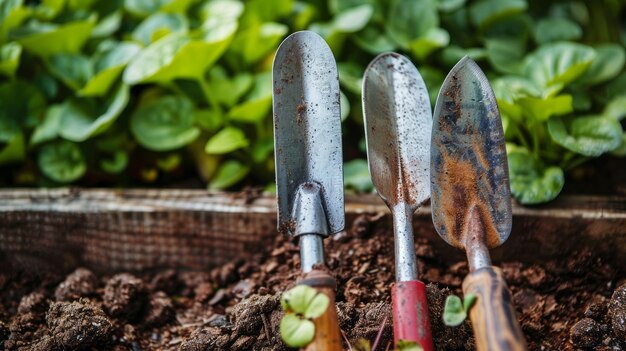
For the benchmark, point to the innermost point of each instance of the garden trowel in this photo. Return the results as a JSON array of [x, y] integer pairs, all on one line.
[[398, 122], [309, 169], [470, 197]]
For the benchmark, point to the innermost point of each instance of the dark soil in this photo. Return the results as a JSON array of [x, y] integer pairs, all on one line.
[[576, 303]]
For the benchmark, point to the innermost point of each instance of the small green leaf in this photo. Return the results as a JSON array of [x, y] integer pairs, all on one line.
[[47, 39], [408, 20], [543, 108], [357, 176], [14, 150], [10, 54], [485, 13], [108, 65], [296, 332], [12, 14], [587, 135], [228, 90], [531, 181], [221, 11], [453, 312], [158, 25], [432, 40], [513, 88], [298, 298], [256, 41], [227, 140], [72, 69], [229, 173], [84, 118], [558, 64], [354, 19], [468, 302], [616, 108], [362, 344], [257, 104], [108, 25], [317, 306], [116, 164], [506, 55], [374, 41], [556, 29], [176, 56], [169, 162], [209, 119], [164, 124], [251, 111], [262, 149], [616, 87], [49, 128], [609, 62], [62, 161], [404, 345]]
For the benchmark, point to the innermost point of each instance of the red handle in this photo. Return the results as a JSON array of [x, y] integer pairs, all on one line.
[[410, 314]]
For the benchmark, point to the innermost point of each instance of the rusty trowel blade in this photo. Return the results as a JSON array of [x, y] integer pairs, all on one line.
[[469, 171], [307, 128], [398, 122]]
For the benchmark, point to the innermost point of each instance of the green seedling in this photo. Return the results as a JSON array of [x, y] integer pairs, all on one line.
[[301, 304], [455, 311], [404, 345]]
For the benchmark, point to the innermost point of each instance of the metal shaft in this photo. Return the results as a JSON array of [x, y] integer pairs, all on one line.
[[311, 251], [475, 244], [406, 268]]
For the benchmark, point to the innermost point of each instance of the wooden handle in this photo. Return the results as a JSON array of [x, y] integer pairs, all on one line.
[[493, 316], [410, 314], [327, 333]]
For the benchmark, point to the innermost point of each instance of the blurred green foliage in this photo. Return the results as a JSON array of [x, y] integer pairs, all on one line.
[[138, 92]]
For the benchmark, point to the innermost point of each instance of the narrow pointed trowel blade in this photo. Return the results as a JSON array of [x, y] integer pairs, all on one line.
[[469, 171], [307, 128], [398, 122]]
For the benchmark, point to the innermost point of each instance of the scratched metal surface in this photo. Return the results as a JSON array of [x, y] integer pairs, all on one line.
[[468, 158], [398, 121], [307, 126]]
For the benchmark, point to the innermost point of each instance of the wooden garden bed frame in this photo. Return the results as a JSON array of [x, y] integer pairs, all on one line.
[[138, 229]]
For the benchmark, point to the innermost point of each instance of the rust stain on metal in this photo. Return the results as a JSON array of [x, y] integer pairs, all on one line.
[[300, 111]]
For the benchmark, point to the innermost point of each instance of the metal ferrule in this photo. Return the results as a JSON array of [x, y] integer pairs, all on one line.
[[406, 268], [311, 251], [310, 224], [308, 211]]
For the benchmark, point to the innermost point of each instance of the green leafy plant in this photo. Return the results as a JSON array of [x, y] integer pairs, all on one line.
[[159, 92], [455, 311], [301, 304]]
